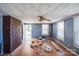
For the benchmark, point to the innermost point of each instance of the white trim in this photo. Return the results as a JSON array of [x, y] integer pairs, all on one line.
[[67, 48]]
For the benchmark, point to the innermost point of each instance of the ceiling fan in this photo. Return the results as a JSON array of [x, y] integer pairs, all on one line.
[[41, 18]]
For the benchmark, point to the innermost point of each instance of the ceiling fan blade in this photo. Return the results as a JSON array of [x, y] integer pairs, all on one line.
[[41, 18], [47, 19]]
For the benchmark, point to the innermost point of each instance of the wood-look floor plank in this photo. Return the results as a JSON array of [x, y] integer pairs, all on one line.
[[25, 50]]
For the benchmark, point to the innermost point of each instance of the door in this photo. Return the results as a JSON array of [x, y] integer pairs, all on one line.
[[27, 32]]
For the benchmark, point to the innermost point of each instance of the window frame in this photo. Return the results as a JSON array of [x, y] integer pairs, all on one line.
[[45, 29], [60, 30]]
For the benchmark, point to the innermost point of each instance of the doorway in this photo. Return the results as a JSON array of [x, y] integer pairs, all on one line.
[[27, 32]]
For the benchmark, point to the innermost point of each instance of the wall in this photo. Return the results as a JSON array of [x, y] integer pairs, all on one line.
[[68, 32], [50, 29], [54, 30], [1, 33], [36, 30]]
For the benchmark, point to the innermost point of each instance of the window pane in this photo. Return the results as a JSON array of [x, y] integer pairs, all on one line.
[[45, 29], [76, 31], [60, 30], [27, 31]]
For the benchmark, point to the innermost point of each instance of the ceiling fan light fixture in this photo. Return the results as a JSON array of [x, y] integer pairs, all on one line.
[[41, 18]]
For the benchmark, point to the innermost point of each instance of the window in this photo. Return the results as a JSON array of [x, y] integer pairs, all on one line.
[[60, 30], [45, 29], [76, 32]]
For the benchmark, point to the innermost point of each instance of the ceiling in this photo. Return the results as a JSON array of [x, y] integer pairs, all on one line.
[[28, 12]]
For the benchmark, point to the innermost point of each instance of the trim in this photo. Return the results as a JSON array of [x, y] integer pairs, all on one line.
[[67, 48], [35, 23]]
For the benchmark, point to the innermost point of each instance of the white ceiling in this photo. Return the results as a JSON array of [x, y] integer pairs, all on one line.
[[27, 12]]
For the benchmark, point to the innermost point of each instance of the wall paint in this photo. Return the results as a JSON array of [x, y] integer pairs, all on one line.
[[54, 31], [68, 32], [1, 31], [36, 30], [50, 29], [1, 34]]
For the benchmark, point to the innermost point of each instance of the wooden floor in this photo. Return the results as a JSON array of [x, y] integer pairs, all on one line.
[[25, 50]]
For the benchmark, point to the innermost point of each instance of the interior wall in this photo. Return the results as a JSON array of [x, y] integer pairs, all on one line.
[[1, 33], [36, 30], [1, 30], [54, 30], [68, 32], [50, 29]]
